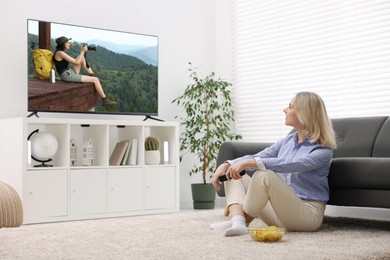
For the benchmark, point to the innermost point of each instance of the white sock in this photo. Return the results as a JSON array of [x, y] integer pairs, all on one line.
[[238, 227], [221, 226]]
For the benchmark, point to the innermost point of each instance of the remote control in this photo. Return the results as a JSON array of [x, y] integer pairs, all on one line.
[[223, 178]]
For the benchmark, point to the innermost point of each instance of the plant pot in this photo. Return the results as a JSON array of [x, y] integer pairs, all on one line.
[[203, 195], [152, 157]]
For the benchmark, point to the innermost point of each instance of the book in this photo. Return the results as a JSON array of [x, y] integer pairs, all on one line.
[[126, 156], [118, 153], [132, 160]]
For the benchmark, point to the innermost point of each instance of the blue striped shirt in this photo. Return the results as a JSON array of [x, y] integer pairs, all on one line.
[[303, 166]]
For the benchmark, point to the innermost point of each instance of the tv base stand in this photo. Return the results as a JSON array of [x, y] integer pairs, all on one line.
[[152, 118], [35, 113]]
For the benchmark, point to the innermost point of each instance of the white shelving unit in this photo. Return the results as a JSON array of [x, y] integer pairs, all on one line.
[[66, 192]]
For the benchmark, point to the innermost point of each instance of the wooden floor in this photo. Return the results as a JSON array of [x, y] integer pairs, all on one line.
[[60, 96]]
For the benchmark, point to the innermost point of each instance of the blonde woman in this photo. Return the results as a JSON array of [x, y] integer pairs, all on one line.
[[289, 187]]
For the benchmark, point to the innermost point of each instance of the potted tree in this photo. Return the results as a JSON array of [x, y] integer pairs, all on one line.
[[207, 124]]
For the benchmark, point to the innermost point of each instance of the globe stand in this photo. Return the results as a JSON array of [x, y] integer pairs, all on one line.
[[42, 162]]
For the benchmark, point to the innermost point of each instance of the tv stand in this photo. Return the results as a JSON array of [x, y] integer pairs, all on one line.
[[69, 189], [152, 118], [35, 113]]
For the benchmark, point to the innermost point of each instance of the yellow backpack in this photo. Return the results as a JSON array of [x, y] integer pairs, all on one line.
[[43, 63]]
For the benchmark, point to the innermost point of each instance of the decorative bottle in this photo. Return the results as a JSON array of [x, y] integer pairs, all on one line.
[[52, 76]]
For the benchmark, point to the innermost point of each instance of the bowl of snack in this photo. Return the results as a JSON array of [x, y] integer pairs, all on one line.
[[267, 233]]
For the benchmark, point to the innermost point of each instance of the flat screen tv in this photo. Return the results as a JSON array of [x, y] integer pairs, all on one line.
[[126, 64]]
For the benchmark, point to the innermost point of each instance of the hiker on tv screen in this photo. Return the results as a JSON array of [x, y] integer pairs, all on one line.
[[69, 68]]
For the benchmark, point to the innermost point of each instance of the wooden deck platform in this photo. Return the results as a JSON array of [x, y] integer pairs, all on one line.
[[61, 95]]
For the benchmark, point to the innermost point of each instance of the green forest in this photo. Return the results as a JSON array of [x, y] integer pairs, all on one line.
[[129, 81]]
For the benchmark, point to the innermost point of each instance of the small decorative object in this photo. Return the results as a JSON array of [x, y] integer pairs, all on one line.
[[43, 147], [88, 153], [166, 152], [73, 153], [152, 150]]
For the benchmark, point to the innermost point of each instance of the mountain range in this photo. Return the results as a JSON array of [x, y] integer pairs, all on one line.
[[148, 54]]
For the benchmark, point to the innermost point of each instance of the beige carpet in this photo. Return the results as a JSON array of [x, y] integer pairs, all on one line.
[[186, 235]]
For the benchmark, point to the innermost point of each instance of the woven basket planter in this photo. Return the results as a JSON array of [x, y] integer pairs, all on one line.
[[11, 210]]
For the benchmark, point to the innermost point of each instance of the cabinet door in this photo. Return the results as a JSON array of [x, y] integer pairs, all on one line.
[[46, 194], [160, 187], [88, 191], [125, 189]]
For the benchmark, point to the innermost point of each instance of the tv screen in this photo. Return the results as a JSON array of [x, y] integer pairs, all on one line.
[[125, 63]]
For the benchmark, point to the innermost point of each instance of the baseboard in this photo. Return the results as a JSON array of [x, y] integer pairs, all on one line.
[[332, 211], [358, 212]]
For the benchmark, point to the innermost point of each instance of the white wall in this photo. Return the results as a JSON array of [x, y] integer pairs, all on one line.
[[186, 30]]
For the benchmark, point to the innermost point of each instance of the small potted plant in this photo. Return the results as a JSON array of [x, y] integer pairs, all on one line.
[[152, 150], [207, 124]]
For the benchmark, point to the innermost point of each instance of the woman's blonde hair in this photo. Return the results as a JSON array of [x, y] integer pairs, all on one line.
[[311, 113]]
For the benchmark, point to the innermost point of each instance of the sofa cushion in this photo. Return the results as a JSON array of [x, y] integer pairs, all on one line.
[[356, 136], [364, 173], [359, 198]]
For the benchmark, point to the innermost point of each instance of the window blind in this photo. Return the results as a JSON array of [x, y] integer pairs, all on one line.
[[338, 49]]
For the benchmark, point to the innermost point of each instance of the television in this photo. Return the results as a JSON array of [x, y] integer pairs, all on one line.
[[126, 64]]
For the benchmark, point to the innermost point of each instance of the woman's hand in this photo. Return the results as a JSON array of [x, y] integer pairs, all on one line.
[[84, 48], [233, 172], [219, 172]]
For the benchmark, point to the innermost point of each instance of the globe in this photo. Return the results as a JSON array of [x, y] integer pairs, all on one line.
[[43, 146]]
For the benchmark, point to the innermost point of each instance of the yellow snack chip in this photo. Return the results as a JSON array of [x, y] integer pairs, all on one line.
[[266, 234]]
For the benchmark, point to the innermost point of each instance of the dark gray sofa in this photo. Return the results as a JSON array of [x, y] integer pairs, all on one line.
[[360, 171]]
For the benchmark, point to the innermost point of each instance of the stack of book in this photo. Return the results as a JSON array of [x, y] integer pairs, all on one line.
[[124, 153]]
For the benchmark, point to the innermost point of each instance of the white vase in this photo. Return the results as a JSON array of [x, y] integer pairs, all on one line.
[[152, 157]]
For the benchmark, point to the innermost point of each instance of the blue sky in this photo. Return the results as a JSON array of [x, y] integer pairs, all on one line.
[[86, 34]]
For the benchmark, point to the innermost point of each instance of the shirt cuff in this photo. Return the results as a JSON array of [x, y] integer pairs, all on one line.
[[260, 164]]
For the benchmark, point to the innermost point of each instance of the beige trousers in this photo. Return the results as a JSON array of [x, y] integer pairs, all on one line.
[[269, 198]]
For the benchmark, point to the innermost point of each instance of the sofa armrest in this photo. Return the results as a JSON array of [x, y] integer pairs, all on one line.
[[232, 150]]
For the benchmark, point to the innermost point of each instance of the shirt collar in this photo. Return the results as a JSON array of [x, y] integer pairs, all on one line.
[[306, 140]]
